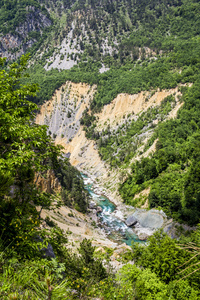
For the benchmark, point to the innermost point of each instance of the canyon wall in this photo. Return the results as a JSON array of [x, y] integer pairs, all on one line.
[[63, 112]]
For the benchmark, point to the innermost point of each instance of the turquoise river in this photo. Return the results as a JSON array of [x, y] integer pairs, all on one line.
[[115, 228]]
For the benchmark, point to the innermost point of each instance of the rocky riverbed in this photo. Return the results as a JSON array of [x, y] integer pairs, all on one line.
[[142, 222]]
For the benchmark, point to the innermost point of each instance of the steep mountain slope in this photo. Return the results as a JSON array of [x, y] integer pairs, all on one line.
[[79, 30], [125, 81], [63, 114], [126, 47], [22, 23]]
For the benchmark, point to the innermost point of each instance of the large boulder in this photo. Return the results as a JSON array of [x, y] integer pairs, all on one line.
[[92, 205], [143, 236], [131, 221], [144, 233], [149, 219], [99, 209]]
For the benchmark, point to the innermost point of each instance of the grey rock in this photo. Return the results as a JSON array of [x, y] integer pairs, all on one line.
[[131, 221], [160, 212], [149, 219], [144, 233], [99, 209], [175, 229], [48, 251], [143, 236], [35, 21], [67, 155], [92, 205]]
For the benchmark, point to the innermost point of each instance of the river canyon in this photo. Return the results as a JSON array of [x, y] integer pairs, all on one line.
[[63, 113]]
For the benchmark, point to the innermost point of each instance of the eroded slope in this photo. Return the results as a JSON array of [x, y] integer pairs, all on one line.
[[63, 113]]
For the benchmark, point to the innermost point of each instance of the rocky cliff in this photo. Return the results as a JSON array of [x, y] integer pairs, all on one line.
[[63, 113], [49, 183], [30, 27]]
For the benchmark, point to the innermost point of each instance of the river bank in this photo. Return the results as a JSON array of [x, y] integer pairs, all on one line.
[[147, 221]]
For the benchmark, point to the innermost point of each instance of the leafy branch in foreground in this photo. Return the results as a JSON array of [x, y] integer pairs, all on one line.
[[191, 266], [25, 149]]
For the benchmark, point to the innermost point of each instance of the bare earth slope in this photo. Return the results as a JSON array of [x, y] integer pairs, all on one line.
[[125, 104], [63, 112]]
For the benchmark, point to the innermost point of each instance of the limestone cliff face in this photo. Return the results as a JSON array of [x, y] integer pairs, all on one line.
[[63, 112], [13, 45], [130, 105], [49, 183]]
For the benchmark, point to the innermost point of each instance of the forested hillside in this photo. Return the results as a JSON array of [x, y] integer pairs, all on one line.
[[160, 41], [176, 37]]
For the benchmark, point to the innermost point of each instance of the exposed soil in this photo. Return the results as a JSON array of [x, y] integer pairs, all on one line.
[[83, 153]]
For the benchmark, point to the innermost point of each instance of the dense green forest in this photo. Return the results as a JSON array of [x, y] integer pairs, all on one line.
[[173, 171]]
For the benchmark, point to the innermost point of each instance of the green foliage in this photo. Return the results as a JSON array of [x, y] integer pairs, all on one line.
[[127, 276], [95, 265], [85, 265], [25, 149], [166, 192], [192, 192], [183, 290], [161, 256], [85, 272], [148, 286], [73, 192], [175, 164], [49, 81], [33, 279], [161, 278], [119, 146], [145, 284], [49, 222], [190, 270]]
